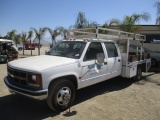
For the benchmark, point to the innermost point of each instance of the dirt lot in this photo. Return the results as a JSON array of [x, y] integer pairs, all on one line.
[[115, 99]]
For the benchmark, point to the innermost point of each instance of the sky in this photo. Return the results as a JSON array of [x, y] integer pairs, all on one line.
[[24, 14]]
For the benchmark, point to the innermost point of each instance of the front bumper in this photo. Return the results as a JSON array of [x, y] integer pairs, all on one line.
[[39, 94]]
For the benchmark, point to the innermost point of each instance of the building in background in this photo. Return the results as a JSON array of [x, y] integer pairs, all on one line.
[[152, 32]]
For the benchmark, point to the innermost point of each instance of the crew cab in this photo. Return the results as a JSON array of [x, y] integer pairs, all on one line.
[[75, 63]]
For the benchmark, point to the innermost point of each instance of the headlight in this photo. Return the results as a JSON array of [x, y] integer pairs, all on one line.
[[34, 80]]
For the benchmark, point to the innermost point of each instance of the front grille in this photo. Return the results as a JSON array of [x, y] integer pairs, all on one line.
[[17, 77], [20, 78]]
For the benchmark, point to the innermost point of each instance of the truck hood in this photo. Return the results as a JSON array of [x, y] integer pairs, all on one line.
[[40, 63]]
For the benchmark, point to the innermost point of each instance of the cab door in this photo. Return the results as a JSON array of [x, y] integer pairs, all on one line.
[[114, 60], [93, 72]]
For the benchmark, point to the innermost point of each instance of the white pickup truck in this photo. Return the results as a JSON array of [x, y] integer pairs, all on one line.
[[76, 63]]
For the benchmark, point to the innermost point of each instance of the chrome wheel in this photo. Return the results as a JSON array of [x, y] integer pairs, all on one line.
[[63, 96]]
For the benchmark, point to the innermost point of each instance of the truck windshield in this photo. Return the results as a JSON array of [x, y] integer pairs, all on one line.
[[70, 49]]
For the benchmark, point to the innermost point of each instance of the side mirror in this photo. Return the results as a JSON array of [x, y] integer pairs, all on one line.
[[100, 57]]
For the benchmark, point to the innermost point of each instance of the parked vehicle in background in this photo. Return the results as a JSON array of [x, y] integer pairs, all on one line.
[[8, 51], [20, 47], [155, 55], [29, 46], [76, 63]]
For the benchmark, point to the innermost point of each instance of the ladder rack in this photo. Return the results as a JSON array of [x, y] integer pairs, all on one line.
[[103, 33]]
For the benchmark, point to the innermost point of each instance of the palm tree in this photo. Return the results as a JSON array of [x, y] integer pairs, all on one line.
[[24, 39], [62, 31], [54, 33], [157, 5], [39, 35], [30, 35], [129, 22], [109, 24]]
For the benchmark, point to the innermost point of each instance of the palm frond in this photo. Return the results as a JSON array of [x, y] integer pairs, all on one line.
[[145, 16], [157, 5], [158, 20], [24, 37], [30, 35], [114, 22]]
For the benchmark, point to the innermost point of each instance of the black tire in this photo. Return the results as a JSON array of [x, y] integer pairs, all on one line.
[[153, 62], [20, 49], [139, 74], [61, 95]]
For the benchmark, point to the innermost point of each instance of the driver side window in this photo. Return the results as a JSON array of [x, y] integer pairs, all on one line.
[[93, 49]]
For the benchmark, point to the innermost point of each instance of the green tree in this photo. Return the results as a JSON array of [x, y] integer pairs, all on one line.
[[39, 35], [82, 22], [17, 39], [157, 5], [11, 35]]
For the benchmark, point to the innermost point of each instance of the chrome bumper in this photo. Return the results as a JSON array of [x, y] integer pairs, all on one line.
[[39, 94]]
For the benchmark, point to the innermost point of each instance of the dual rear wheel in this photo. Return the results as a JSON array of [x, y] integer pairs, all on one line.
[[139, 74]]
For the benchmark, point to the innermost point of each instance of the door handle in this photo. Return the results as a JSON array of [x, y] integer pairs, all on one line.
[[119, 60]]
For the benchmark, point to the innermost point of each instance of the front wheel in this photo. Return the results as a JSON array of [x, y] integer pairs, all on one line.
[[61, 95], [139, 74]]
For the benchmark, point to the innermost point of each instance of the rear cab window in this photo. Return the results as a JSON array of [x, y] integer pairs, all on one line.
[[111, 49]]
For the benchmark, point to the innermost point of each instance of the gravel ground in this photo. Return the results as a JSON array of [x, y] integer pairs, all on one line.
[[115, 99]]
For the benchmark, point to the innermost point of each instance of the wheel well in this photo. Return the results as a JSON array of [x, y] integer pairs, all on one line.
[[139, 65], [71, 78], [153, 59]]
